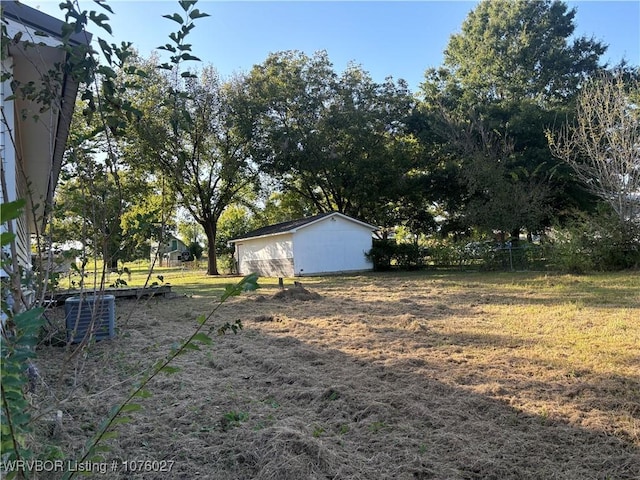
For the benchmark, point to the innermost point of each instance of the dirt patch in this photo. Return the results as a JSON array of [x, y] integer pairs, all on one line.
[[359, 384], [297, 293]]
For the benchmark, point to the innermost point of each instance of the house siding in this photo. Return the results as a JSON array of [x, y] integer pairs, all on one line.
[[332, 245], [14, 179], [268, 256]]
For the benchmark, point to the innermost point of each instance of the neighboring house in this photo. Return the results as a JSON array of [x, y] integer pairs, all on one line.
[[326, 243], [172, 252], [33, 137]]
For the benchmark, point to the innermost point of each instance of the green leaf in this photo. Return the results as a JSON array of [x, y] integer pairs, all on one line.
[[11, 475], [109, 435], [131, 407], [202, 338], [102, 448], [187, 4], [6, 238], [250, 282], [12, 381], [29, 318], [143, 393], [201, 319], [188, 56], [99, 19], [106, 51], [121, 420], [168, 47], [195, 13], [175, 17], [103, 4], [11, 210]]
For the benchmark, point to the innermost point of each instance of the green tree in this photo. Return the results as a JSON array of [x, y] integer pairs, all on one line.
[[338, 141], [506, 76], [510, 50], [234, 222], [284, 206], [191, 138]]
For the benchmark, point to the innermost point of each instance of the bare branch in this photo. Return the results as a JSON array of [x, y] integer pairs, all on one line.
[[603, 144]]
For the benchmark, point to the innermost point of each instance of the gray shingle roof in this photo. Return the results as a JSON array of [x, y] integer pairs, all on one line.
[[283, 227]]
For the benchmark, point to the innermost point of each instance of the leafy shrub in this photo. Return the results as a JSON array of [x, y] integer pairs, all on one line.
[[445, 254], [599, 242], [387, 253], [381, 254], [195, 249], [409, 256]]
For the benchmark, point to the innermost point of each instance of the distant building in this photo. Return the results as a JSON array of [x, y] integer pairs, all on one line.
[[173, 252], [323, 244]]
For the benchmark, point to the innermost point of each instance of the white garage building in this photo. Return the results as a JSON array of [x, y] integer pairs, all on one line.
[[326, 243]]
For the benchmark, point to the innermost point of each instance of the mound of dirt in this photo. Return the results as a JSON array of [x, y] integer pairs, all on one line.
[[296, 293]]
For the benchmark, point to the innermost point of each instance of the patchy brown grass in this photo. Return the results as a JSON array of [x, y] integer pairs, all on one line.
[[404, 376]]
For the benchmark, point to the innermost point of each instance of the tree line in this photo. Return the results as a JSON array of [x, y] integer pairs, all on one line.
[[491, 143]]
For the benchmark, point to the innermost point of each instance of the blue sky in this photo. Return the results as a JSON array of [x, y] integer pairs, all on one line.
[[401, 39]]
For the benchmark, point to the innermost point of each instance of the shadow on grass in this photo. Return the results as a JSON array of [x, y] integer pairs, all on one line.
[[315, 411], [319, 402]]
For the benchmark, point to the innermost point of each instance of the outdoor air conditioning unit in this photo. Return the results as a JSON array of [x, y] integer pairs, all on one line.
[[91, 316]]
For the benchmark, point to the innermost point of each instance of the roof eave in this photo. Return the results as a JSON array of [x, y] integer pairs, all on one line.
[[40, 21], [235, 240], [313, 222]]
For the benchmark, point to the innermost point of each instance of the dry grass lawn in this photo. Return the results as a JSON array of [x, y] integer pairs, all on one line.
[[383, 376]]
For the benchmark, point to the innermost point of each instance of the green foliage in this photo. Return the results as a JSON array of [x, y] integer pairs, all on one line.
[[19, 336], [235, 221], [410, 256], [510, 73], [195, 249], [381, 254], [283, 207], [119, 281], [11, 211], [19, 339], [387, 253], [96, 186], [600, 242], [338, 141], [233, 419], [189, 137], [516, 49]]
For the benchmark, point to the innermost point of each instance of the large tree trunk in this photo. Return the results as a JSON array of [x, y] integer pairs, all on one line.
[[210, 229]]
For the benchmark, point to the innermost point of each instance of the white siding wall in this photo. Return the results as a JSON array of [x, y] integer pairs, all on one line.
[[7, 151], [14, 181], [331, 245], [268, 257]]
